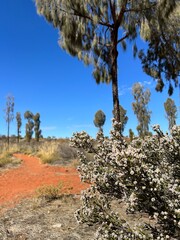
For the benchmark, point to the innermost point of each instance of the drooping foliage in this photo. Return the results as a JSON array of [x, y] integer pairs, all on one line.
[[99, 119], [171, 112], [162, 58], [140, 108], [93, 30], [29, 125]]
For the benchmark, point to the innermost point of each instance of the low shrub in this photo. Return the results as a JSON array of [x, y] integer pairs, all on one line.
[[5, 158], [143, 174], [49, 192]]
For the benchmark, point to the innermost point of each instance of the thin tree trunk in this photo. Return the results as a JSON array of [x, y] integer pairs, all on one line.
[[18, 135], [8, 136], [114, 56]]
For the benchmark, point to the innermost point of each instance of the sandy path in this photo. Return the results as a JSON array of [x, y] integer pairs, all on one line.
[[21, 182]]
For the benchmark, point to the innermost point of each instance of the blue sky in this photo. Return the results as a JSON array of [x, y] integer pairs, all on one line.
[[43, 78]]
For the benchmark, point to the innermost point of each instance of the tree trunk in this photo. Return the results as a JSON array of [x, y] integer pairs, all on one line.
[[8, 134], [114, 66], [18, 135]]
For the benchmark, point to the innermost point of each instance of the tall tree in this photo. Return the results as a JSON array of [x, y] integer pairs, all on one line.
[[99, 119], [171, 112], [140, 108], [9, 113], [19, 124], [93, 30], [37, 130], [29, 125]]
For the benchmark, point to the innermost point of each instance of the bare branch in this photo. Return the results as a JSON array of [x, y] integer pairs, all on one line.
[[120, 40]]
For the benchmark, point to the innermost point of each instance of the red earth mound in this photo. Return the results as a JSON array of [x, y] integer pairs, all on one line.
[[22, 182]]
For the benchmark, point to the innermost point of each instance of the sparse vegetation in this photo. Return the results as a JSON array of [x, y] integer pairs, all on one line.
[[49, 151]]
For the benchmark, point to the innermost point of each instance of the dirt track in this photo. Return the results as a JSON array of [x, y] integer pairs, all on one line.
[[21, 182]]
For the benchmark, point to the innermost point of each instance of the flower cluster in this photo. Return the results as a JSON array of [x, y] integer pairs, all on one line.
[[143, 174]]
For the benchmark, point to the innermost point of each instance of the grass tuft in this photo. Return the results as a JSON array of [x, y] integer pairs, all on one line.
[[49, 192]]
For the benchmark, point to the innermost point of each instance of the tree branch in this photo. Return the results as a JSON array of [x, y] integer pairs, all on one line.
[[121, 14], [78, 14], [112, 11], [120, 40]]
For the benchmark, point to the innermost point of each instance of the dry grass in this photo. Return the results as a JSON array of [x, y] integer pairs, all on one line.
[[55, 152], [49, 192], [37, 219], [48, 152], [6, 157]]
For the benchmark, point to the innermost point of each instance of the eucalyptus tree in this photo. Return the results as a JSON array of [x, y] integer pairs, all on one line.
[[29, 125], [37, 123], [93, 30], [140, 108], [171, 112], [19, 124], [99, 119], [9, 113]]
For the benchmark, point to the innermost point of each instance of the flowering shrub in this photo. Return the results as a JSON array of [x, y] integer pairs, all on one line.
[[143, 174]]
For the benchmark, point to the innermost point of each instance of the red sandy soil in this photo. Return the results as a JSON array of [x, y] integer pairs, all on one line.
[[21, 182]]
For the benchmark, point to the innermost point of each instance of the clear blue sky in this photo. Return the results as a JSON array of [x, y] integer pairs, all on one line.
[[45, 79]]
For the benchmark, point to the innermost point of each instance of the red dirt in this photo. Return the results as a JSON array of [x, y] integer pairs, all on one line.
[[21, 182]]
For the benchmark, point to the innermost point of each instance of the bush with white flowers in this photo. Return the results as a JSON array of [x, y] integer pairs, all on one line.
[[143, 174]]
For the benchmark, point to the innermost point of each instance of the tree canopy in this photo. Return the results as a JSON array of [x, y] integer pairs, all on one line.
[[99, 119], [162, 59], [93, 30]]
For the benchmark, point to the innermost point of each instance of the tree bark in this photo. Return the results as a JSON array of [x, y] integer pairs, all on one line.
[[114, 67]]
